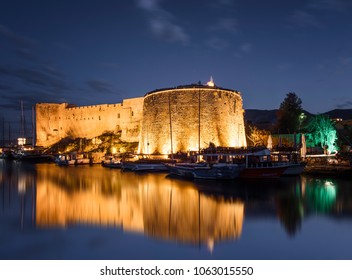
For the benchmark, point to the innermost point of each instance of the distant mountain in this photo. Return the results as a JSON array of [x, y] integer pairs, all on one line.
[[345, 114], [257, 116]]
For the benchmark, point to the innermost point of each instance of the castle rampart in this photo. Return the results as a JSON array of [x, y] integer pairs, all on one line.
[[57, 121], [191, 117], [181, 119]]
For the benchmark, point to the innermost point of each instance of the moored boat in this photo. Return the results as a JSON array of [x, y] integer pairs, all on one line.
[[203, 170], [73, 159], [294, 169], [112, 164], [184, 170], [146, 164], [221, 171], [262, 172], [33, 155]]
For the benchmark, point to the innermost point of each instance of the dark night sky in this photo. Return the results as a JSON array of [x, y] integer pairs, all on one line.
[[90, 52]]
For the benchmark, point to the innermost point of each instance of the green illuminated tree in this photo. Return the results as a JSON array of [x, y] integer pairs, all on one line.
[[288, 115], [322, 132]]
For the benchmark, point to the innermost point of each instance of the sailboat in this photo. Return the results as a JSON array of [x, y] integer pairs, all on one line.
[[29, 153]]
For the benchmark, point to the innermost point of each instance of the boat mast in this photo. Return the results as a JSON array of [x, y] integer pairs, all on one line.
[[172, 153], [3, 132], [22, 121], [199, 120], [33, 127]]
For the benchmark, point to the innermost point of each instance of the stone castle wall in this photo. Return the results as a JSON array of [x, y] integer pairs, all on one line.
[[188, 116], [57, 121], [220, 117]]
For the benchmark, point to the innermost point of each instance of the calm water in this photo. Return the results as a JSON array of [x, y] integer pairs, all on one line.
[[51, 212]]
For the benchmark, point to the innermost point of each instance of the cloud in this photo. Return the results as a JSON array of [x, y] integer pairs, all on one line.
[[217, 43], [328, 5], [168, 31], [161, 22], [39, 78], [44, 77], [301, 19], [99, 85], [225, 25], [108, 65], [11, 98], [15, 38], [345, 105], [246, 47], [63, 46], [346, 60], [243, 49], [4, 87], [149, 5]]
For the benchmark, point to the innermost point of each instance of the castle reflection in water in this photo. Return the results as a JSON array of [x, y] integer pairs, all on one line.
[[202, 213]]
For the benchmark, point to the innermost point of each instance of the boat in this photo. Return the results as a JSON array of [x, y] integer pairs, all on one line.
[[146, 164], [206, 170], [295, 165], [221, 171], [258, 165], [184, 170], [73, 159], [33, 155], [254, 163], [262, 172], [295, 169], [112, 164]]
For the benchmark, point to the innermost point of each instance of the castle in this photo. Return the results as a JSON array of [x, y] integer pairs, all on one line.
[[180, 119]]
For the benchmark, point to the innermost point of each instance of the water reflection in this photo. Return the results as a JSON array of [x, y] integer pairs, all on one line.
[[146, 203], [200, 213]]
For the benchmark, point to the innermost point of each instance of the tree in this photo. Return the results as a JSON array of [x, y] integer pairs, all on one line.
[[322, 132], [257, 136], [288, 115]]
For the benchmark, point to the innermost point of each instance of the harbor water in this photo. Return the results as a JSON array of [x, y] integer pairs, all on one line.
[[92, 212]]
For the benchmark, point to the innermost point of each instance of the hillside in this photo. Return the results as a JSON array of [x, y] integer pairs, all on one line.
[[267, 117], [345, 114]]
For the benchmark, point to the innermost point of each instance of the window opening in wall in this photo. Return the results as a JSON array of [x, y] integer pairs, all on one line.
[[99, 118], [118, 115]]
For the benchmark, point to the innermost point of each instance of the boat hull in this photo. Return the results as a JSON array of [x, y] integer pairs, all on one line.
[[262, 172], [207, 172], [217, 172], [294, 169]]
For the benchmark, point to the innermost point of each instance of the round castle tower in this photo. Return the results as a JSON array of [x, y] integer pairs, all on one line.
[[189, 118]]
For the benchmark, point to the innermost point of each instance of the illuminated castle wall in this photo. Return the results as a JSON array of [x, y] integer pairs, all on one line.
[[191, 115], [57, 121], [186, 115]]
